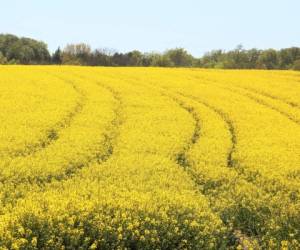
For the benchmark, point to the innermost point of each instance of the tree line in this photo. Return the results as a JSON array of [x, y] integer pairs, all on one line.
[[15, 50]]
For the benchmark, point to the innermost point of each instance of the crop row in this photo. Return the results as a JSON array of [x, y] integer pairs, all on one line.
[[152, 159]]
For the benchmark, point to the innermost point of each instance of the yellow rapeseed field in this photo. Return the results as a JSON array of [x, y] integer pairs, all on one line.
[[149, 158]]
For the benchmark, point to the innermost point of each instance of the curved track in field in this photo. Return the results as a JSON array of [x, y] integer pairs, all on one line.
[[108, 139], [229, 123], [238, 235], [181, 156], [52, 134], [72, 169], [254, 97], [233, 162], [276, 98], [183, 160], [254, 91], [194, 113]]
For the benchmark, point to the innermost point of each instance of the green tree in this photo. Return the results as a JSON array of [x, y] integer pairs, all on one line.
[[159, 60], [77, 54], [135, 58], [180, 57], [57, 56], [252, 57], [288, 56], [296, 65], [211, 59], [268, 59], [101, 57], [3, 59], [24, 50]]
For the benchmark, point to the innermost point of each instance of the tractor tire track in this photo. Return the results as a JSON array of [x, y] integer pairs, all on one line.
[[252, 175], [229, 123], [182, 158], [276, 98], [237, 235], [109, 139], [52, 134], [257, 100], [265, 104]]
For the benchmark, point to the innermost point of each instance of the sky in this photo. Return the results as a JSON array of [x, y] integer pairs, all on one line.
[[155, 25]]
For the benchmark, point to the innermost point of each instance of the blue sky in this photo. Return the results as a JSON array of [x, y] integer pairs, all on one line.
[[156, 25]]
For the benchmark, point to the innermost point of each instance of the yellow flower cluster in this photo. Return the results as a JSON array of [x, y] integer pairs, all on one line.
[[149, 158]]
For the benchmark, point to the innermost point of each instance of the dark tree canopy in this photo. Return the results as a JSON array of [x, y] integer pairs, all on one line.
[[296, 65], [57, 57], [15, 50], [180, 57], [240, 58], [23, 50]]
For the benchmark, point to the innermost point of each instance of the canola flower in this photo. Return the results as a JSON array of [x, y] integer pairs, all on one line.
[[34, 90], [146, 158]]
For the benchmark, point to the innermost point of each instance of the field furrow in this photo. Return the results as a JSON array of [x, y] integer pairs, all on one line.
[[201, 167], [149, 158], [276, 98], [292, 112], [53, 133], [94, 143], [137, 197], [42, 132]]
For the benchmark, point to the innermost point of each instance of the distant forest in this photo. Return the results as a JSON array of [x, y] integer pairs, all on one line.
[[15, 50]]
